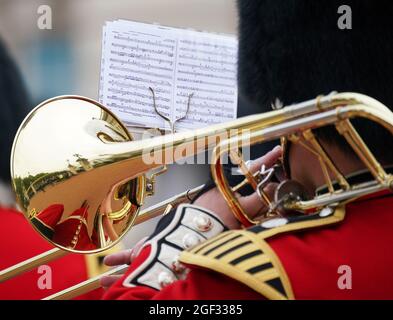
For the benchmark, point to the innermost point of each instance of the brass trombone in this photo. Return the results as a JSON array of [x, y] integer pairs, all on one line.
[[73, 159]]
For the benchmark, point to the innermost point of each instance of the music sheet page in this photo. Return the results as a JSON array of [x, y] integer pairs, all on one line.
[[180, 66]]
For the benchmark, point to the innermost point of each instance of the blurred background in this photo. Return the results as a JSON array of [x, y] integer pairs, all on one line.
[[66, 59]]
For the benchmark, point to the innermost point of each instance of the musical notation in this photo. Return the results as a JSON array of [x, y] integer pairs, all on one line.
[[175, 63]]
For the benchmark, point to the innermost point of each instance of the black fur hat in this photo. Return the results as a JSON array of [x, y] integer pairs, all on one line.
[[294, 50], [14, 104]]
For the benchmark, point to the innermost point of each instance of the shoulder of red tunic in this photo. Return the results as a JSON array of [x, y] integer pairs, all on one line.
[[301, 257], [348, 260]]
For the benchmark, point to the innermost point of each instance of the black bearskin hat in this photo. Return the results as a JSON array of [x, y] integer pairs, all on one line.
[[14, 104], [294, 50]]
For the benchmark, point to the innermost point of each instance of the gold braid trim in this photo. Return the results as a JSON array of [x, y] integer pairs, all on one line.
[[245, 255]]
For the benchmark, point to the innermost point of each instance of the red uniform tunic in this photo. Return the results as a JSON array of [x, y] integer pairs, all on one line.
[[311, 259], [18, 242]]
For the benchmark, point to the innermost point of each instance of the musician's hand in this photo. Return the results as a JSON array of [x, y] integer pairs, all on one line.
[[252, 204], [119, 258]]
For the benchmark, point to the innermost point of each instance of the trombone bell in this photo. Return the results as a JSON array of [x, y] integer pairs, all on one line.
[[58, 169]]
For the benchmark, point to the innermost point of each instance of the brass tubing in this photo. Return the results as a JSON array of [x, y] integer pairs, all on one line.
[[31, 263], [265, 134], [84, 287]]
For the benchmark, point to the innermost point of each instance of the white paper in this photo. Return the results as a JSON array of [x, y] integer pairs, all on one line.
[[174, 63]]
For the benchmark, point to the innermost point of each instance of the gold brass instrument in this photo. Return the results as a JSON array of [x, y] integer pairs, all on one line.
[[73, 159]]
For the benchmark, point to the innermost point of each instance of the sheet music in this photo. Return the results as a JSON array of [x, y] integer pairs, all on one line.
[[174, 63]]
